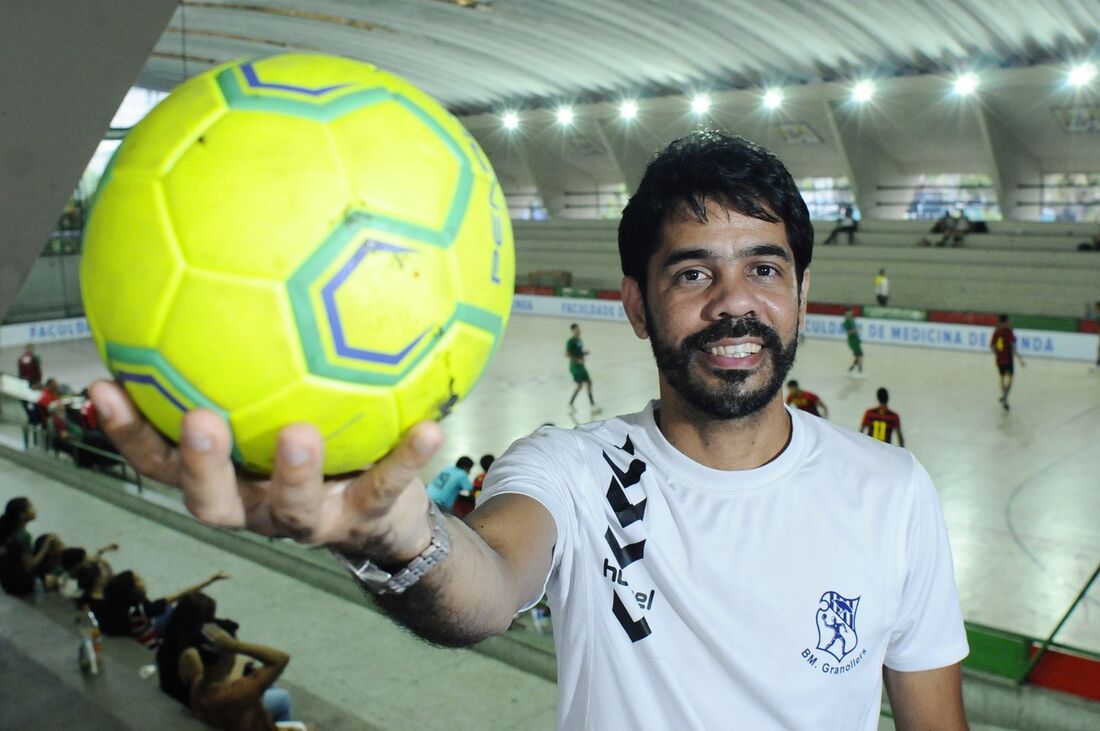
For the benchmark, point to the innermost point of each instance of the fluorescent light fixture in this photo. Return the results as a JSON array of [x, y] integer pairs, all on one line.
[[628, 109], [966, 83], [1082, 74], [863, 91], [773, 98], [700, 104], [564, 115], [511, 120]]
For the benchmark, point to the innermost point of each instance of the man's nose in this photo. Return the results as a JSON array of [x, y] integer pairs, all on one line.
[[730, 297]]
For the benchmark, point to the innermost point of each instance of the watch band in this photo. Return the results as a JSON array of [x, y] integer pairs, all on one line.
[[380, 581]]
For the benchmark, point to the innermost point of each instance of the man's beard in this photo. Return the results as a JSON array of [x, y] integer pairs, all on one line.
[[730, 399]]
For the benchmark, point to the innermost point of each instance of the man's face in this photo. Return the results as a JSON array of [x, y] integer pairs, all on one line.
[[723, 311]]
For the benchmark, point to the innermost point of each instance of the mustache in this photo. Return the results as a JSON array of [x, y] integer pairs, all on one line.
[[733, 328]]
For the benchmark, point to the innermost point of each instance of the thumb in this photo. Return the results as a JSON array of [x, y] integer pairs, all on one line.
[[380, 486]]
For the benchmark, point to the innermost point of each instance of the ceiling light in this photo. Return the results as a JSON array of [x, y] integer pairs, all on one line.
[[1082, 74], [773, 98], [966, 83], [511, 120], [863, 91], [700, 104], [565, 115], [628, 109]]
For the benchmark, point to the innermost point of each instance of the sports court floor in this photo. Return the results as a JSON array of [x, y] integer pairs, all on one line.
[[1020, 490]]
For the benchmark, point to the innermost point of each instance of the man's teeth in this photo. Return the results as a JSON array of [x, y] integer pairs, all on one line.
[[742, 350]]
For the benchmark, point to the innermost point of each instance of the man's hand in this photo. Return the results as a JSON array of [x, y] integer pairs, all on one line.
[[220, 576], [381, 511], [218, 636]]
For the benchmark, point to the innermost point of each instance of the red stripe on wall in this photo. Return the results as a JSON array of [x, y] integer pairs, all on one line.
[[963, 318], [530, 289], [823, 308], [1068, 673]]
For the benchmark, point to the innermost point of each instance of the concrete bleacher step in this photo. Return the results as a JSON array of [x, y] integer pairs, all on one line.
[[45, 637], [43, 687]]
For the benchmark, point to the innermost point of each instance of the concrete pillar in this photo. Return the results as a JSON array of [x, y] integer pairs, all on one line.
[[66, 68], [1009, 165]]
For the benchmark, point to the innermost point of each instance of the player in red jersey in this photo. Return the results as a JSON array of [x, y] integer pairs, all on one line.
[[30, 367], [806, 400], [1003, 345], [880, 422]]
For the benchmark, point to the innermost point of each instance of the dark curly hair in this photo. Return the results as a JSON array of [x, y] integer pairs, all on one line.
[[715, 166]]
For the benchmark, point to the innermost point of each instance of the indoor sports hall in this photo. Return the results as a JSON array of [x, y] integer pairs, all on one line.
[[1014, 151]]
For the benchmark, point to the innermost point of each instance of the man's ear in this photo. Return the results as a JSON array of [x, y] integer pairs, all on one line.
[[634, 306], [803, 299]]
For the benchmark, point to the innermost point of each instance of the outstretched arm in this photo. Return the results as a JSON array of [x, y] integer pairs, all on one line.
[[172, 598], [928, 699], [498, 559]]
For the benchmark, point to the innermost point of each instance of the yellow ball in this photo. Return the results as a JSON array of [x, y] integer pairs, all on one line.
[[299, 238]]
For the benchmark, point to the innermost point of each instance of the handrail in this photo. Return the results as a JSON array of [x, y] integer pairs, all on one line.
[[1026, 675]]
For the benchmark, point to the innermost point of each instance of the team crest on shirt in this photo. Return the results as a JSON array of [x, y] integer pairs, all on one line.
[[836, 624]]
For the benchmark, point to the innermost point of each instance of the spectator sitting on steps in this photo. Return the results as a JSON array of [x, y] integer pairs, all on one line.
[[959, 227], [247, 703], [844, 224]]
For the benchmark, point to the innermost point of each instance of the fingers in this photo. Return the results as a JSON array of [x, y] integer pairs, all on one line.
[[141, 444], [298, 490], [207, 475], [388, 478], [385, 509]]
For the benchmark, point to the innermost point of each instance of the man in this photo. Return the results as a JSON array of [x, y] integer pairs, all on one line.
[[880, 422], [1003, 345], [49, 403], [446, 486], [30, 367], [807, 401], [248, 703], [882, 288], [854, 343], [845, 224], [575, 352], [715, 556]]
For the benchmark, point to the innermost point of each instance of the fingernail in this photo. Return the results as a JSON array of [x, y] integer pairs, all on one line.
[[198, 441], [422, 444], [103, 410], [297, 456]]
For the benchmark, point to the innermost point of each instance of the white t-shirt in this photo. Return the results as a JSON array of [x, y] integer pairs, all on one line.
[[685, 597]]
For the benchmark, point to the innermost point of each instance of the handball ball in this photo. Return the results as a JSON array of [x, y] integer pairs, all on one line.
[[299, 238]]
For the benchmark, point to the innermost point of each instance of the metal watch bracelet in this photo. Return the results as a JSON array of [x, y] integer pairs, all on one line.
[[380, 581]]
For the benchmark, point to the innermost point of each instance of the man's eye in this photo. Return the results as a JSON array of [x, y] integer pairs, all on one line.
[[691, 275], [765, 270]]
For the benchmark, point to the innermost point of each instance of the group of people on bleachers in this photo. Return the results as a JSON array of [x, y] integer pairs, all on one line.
[[952, 227], [71, 424], [226, 683], [452, 489]]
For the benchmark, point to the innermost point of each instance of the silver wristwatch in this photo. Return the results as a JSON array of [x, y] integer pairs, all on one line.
[[380, 581]]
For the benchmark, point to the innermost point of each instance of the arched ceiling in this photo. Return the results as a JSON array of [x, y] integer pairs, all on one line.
[[477, 55]]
